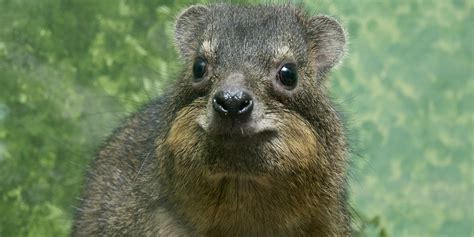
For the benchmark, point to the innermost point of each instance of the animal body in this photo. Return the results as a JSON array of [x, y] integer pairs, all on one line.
[[245, 143]]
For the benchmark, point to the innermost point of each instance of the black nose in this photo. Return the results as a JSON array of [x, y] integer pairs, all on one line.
[[232, 103]]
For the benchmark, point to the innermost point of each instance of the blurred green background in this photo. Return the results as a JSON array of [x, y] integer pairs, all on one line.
[[71, 70]]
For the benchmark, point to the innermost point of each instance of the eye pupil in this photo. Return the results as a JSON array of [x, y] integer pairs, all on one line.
[[199, 68], [288, 75]]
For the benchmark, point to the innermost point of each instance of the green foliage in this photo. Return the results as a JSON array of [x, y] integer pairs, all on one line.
[[70, 70]]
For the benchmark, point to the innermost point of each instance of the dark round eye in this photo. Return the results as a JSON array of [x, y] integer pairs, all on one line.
[[199, 68], [288, 75]]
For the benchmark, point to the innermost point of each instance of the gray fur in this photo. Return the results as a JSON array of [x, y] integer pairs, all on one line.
[[160, 174]]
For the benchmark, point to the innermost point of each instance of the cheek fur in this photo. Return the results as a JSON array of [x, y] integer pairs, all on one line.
[[296, 146], [295, 149], [186, 140]]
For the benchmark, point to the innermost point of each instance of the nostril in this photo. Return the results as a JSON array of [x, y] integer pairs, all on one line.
[[219, 104], [230, 103], [246, 104]]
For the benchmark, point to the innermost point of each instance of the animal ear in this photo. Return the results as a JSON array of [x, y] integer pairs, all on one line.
[[189, 25], [327, 42]]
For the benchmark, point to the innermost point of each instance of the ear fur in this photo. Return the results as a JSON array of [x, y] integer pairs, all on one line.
[[327, 41], [189, 25]]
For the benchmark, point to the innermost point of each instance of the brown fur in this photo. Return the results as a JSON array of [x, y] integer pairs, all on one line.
[[165, 172]]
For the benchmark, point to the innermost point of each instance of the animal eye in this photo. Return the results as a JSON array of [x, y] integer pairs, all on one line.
[[288, 75], [199, 68]]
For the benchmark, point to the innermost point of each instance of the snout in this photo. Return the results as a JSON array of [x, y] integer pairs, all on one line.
[[233, 108], [232, 112], [233, 104]]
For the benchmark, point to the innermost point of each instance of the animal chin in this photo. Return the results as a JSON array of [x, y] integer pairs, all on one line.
[[257, 178]]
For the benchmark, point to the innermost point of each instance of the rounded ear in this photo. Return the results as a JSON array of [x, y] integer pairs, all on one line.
[[189, 25], [327, 42]]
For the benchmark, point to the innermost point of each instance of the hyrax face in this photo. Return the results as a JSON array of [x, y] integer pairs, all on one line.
[[257, 102]]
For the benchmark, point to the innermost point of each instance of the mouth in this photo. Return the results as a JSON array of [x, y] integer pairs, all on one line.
[[237, 130], [236, 148]]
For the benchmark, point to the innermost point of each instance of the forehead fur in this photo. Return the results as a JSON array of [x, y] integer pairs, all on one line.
[[243, 31]]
